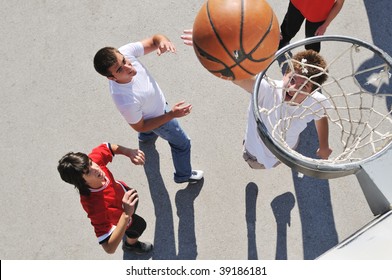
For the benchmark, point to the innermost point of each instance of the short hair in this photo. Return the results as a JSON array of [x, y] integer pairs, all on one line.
[[315, 74], [104, 59], [71, 167]]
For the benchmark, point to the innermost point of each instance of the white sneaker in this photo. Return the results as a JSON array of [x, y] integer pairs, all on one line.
[[197, 175]]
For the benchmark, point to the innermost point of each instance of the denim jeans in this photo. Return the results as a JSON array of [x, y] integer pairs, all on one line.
[[180, 146]]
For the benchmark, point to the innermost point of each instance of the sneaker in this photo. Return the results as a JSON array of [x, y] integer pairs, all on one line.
[[196, 176], [138, 247]]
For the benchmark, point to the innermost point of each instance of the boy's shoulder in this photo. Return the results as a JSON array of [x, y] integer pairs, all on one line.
[[132, 50], [102, 154]]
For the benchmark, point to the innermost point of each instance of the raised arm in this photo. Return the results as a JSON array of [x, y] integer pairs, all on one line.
[[158, 42], [247, 84], [135, 155], [322, 128]]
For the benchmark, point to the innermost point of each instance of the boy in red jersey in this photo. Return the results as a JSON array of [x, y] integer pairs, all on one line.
[[109, 204], [318, 15]]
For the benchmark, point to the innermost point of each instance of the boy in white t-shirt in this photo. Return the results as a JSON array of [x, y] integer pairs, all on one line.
[[296, 97], [295, 89], [142, 103]]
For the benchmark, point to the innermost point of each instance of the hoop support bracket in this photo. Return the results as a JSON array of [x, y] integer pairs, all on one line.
[[375, 179]]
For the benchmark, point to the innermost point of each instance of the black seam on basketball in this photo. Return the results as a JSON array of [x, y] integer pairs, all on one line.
[[216, 33], [241, 30], [262, 39], [227, 69], [241, 53], [224, 72]]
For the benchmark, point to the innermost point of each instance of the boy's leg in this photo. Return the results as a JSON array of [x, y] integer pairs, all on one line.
[[310, 30], [180, 146], [291, 24], [132, 234], [137, 227], [145, 137], [251, 160]]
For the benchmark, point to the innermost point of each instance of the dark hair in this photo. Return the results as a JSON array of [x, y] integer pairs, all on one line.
[[316, 75], [71, 167], [104, 59]]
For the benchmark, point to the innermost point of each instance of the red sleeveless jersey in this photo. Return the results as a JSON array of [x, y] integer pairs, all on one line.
[[314, 10]]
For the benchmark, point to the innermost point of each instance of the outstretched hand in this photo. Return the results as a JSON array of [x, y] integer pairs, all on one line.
[[164, 46], [179, 111], [136, 156], [187, 37]]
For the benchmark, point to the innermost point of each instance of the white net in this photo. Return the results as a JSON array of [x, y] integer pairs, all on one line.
[[357, 101]]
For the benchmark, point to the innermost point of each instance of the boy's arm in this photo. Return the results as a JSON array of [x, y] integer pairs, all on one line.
[[322, 128], [247, 84], [179, 110], [158, 42], [332, 14], [129, 202], [135, 155]]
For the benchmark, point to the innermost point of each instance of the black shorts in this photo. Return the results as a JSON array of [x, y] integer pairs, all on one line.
[[137, 227]]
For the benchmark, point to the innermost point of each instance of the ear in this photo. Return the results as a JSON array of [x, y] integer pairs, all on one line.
[[309, 87], [112, 78]]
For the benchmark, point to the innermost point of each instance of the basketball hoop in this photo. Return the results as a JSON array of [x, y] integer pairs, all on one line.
[[359, 90]]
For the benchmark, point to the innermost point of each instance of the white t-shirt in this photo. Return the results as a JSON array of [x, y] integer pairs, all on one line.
[[142, 97], [312, 108]]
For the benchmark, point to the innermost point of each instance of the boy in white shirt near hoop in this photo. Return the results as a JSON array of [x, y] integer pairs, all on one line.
[[295, 98]]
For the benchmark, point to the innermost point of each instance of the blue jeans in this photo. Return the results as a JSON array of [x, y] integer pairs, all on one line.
[[180, 146]]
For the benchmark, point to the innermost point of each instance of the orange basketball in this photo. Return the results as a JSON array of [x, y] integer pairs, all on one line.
[[235, 39]]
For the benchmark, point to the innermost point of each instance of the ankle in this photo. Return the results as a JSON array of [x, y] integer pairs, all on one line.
[[132, 242]]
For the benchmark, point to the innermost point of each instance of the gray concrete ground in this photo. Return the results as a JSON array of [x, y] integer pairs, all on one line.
[[53, 102]]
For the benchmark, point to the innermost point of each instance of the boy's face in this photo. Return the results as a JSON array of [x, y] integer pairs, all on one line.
[[94, 176], [295, 88], [122, 71]]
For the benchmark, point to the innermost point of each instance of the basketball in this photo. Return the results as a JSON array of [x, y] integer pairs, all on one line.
[[235, 39]]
